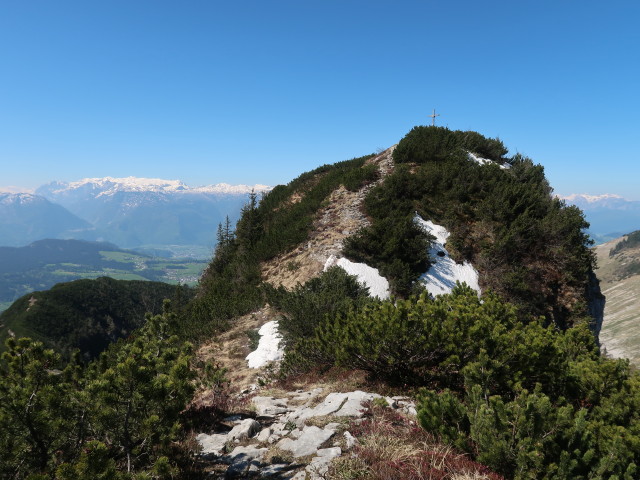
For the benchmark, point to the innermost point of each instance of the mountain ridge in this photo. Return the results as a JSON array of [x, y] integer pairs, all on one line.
[[130, 212], [110, 185]]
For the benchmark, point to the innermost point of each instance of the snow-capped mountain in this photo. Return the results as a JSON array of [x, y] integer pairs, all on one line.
[[110, 185], [25, 217], [132, 211], [610, 215]]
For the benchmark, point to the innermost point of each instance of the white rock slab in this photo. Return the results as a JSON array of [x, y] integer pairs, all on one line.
[[308, 443]]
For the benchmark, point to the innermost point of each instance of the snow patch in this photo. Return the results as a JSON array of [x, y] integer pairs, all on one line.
[[19, 198], [590, 198], [444, 272], [486, 161], [269, 347], [110, 185], [369, 276], [15, 189], [231, 189]]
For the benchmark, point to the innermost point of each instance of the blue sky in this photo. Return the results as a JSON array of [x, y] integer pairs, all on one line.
[[261, 91]]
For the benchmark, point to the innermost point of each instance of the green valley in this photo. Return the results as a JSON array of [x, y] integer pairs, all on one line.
[[45, 263]]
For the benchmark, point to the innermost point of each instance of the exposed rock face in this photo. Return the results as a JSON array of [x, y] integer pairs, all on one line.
[[285, 428]]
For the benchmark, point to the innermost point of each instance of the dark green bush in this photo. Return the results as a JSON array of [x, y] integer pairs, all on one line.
[[321, 298], [434, 144]]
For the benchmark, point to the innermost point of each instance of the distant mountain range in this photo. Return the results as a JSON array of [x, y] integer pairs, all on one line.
[[610, 216], [129, 212], [25, 217]]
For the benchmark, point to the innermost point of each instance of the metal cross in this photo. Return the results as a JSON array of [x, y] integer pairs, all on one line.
[[433, 117]]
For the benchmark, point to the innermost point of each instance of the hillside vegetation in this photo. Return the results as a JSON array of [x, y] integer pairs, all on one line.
[[513, 379], [87, 315], [44, 263]]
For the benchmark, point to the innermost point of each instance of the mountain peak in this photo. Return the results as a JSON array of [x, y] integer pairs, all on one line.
[[19, 198], [110, 185], [584, 197]]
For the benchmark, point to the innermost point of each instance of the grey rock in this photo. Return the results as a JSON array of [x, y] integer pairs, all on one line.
[[264, 435], [275, 469], [269, 406], [212, 444], [410, 410], [329, 452], [353, 406], [308, 443], [245, 429], [242, 460], [319, 465]]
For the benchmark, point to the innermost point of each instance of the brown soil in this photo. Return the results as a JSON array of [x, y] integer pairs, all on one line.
[[231, 348], [342, 217]]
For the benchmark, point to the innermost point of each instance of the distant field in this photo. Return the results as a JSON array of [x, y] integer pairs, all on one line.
[[95, 262]]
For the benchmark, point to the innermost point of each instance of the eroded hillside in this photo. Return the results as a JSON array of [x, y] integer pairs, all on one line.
[[340, 217], [620, 283]]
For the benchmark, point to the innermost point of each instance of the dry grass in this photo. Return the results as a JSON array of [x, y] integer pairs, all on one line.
[[392, 446], [230, 349], [340, 217]]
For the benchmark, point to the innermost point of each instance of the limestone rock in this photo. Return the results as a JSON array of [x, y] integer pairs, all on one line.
[[245, 429], [309, 441], [242, 460], [269, 406], [212, 444]]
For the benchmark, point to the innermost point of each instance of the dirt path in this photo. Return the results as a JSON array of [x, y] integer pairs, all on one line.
[[342, 217]]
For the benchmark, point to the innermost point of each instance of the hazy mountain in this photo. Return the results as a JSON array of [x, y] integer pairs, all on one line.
[[610, 215], [25, 217], [139, 211]]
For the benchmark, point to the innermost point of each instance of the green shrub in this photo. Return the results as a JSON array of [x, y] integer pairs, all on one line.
[[307, 306], [435, 144]]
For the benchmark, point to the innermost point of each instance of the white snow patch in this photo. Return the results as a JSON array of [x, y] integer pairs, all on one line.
[[590, 198], [444, 272], [15, 189], [486, 161], [110, 185], [369, 276], [269, 348]]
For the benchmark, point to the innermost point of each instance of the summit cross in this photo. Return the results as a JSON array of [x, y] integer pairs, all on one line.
[[433, 117]]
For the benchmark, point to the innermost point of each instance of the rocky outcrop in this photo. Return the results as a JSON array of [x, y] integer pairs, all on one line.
[[292, 437]]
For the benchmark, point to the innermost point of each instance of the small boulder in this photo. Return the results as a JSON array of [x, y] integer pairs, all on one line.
[[308, 442], [245, 429], [212, 445]]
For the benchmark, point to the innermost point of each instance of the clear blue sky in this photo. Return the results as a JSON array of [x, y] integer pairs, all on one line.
[[261, 91]]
